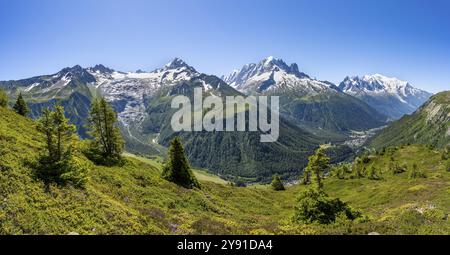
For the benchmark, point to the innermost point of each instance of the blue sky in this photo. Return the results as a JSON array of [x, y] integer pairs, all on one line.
[[408, 39]]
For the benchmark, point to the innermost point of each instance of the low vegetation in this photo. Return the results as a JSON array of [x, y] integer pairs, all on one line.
[[132, 198]]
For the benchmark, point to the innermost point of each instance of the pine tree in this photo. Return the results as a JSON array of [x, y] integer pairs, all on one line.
[[318, 164], [277, 184], [21, 106], [107, 140], [3, 98], [177, 169]]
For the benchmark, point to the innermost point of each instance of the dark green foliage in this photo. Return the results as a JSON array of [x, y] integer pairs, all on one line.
[[318, 165], [177, 169], [21, 106], [447, 166], [277, 184], [107, 143], [69, 170], [3, 98], [57, 163], [332, 112], [314, 206], [416, 173], [240, 183], [365, 158]]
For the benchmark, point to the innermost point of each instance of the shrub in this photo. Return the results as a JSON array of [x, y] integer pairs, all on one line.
[[240, 183], [70, 170], [277, 184], [314, 206]]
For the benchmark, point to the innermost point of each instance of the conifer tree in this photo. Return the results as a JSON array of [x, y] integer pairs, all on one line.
[[177, 169], [3, 98], [46, 127], [107, 140], [58, 133], [277, 184], [318, 164], [64, 133], [58, 164], [21, 106]]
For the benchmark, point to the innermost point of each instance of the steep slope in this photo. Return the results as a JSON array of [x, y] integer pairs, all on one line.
[[390, 96], [430, 124], [318, 106], [134, 200]]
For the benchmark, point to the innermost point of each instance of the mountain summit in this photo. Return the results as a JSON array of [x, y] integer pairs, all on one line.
[[390, 96], [267, 75], [177, 63]]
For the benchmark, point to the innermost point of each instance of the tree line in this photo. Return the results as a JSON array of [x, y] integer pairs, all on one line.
[[57, 163]]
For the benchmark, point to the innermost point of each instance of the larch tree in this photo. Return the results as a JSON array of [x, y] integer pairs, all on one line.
[[318, 164], [107, 141]]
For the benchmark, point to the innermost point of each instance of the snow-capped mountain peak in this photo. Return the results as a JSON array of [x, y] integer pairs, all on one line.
[[393, 97], [131, 89], [378, 83], [271, 74], [177, 63]]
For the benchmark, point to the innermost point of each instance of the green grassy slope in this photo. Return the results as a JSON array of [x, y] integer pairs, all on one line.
[[430, 124], [134, 200]]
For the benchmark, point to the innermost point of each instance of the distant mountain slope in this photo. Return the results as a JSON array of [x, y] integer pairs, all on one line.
[[142, 100], [390, 96], [230, 153], [430, 124], [309, 103]]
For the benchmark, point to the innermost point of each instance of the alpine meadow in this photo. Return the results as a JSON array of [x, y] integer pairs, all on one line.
[[334, 144]]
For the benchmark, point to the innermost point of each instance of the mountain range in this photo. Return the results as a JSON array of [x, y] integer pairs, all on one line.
[[312, 111], [389, 96], [318, 106]]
